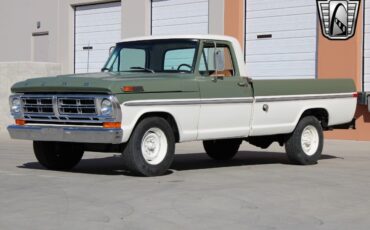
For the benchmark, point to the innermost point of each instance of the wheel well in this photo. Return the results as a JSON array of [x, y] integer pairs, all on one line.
[[168, 117], [321, 114]]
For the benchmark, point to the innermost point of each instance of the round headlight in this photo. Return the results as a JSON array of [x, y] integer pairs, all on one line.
[[16, 105], [106, 107]]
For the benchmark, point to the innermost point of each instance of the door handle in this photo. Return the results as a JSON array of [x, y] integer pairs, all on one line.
[[242, 84]]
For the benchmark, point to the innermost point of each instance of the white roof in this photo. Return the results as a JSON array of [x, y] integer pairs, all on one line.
[[195, 36]]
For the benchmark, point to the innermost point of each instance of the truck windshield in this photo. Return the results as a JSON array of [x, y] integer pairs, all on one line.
[[172, 56]]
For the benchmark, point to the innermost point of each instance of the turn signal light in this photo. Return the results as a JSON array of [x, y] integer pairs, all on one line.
[[112, 125], [355, 95], [20, 122], [132, 89]]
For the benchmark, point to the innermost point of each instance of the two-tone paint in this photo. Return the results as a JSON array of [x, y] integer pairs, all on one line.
[[207, 108]]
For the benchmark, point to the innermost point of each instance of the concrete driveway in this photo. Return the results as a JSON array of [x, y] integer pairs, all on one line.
[[257, 190]]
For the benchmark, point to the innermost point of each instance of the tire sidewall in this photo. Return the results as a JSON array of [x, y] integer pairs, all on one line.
[[222, 149], [142, 165], [58, 155], [294, 147]]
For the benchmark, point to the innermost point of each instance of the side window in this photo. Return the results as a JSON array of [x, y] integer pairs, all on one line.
[[220, 57], [179, 59]]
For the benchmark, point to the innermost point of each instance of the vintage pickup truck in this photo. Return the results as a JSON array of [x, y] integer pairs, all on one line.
[[154, 92]]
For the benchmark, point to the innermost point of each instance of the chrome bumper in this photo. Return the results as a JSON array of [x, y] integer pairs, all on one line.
[[66, 134]]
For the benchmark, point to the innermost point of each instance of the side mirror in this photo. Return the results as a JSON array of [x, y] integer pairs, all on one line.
[[111, 50], [219, 60]]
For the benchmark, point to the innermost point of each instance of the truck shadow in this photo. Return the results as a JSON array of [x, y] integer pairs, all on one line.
[[183, 162]]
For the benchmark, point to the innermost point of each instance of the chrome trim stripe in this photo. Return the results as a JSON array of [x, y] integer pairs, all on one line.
[[238, 100], [303, 97], [190, 101]]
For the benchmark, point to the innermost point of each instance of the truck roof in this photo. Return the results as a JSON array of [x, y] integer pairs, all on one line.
[[194, 36]]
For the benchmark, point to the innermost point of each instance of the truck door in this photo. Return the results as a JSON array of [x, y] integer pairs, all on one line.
[[226, 98]]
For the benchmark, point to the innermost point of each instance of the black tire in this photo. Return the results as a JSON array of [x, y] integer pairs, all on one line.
[[222, 150], [295, 148], [137, 161], [57, 155]]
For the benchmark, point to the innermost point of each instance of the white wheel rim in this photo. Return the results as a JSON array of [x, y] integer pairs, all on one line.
[[154, 146], [310, 140]]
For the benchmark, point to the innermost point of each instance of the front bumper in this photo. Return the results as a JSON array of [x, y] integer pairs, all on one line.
[[66, 134]]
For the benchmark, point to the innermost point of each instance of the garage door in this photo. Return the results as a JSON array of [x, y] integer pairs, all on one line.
[[97, 28], [179, 17], [281, 38], [367, 48]]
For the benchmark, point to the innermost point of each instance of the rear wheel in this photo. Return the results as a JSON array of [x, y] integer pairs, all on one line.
[[305, 144], [222, 150], [151, 149], [57, 155]]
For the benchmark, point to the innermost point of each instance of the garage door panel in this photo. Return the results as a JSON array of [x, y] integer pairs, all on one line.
[[95, 56], [291, 50], [92, 20], [280, 46], [367, 84], [366, 79], [97, 26], [282, 34], [165, 3], [188, 10], [291, 22], [102, 46], [179, 17], [98, 37], [179, 21], [281, 57], [294, 69], [261, 5], [367, 50], [97, 8], [278, 12], [183, 29]]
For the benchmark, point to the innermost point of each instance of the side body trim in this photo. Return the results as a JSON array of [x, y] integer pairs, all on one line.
[[190, 101], [303, 97]]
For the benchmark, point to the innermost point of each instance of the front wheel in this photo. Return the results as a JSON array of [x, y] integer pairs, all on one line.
[[222, 150], [57, 155], [151, 149], [305, 144]]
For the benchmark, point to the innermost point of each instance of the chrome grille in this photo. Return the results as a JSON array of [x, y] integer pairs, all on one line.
[[63, 108], [81, 106], [41, 105]]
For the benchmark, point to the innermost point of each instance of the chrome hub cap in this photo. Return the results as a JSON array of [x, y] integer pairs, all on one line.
[[310, 140], [154, 146]]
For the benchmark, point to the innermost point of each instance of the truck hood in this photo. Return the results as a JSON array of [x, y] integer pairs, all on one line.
[[107, 83]]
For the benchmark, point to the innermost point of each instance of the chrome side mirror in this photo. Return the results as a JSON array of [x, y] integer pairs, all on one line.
[[111, 50]]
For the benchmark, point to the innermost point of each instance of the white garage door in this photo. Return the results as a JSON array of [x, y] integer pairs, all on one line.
[[281, 38], [179, 17], [367, 48], [97, 28]]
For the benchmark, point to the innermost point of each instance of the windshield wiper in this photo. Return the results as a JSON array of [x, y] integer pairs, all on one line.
[[142, 68]]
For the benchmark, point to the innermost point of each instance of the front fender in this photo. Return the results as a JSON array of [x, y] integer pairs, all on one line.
[[185, 116]]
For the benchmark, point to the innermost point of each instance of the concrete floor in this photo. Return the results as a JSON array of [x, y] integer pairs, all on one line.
[[257, 190]]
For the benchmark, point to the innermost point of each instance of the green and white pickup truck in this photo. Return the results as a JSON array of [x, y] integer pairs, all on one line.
[[154, 92]]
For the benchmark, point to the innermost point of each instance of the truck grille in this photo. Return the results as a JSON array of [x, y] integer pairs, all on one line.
[[63, 108], [67, 106], [42, 105]]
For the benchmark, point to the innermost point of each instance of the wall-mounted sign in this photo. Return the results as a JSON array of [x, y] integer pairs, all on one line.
[[338, 18]]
